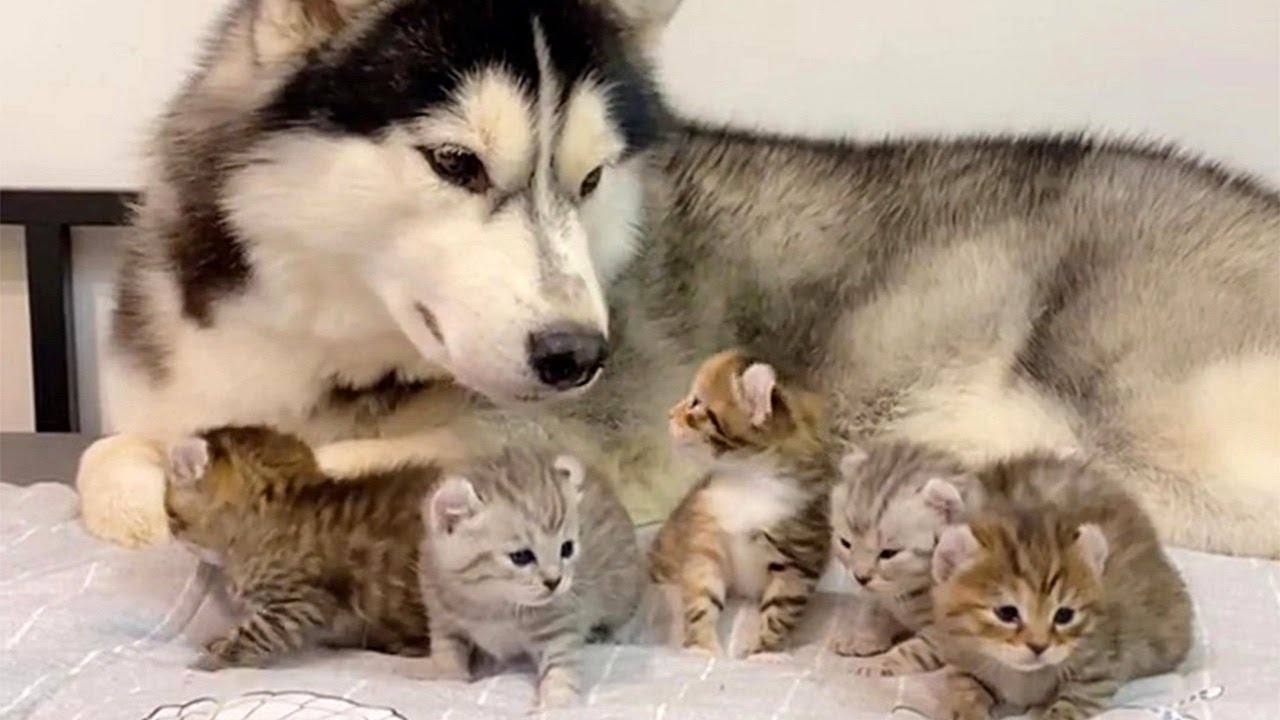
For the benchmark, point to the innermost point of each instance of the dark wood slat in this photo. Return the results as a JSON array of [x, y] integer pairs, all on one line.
[[53, 350], [64, 207]]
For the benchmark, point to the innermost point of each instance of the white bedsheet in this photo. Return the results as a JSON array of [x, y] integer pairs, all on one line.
[[94, 632]]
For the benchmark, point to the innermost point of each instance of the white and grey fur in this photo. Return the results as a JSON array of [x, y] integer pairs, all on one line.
[[892, 502], [299, 260], [580, 576]]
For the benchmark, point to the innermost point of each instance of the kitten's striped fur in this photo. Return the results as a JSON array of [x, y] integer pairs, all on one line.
[[886, 515], [526, 553], [1055, 535], [312, 559], [756, 525]]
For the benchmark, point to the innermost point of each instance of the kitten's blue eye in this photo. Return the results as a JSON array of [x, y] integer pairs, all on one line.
[[1007, 614], [520, 558], [1063, 616], [887, 554], [566, 549]]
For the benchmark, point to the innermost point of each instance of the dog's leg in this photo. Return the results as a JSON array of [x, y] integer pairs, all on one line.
[[353, 458], [121, 485]]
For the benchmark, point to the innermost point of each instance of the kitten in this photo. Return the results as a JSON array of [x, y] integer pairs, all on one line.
[[756, 525], [525, 554], [312, 559], [1054, 595], [887, 510]]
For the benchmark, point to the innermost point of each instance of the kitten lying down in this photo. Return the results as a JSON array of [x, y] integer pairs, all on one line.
[[1038, 582], [312, 560]]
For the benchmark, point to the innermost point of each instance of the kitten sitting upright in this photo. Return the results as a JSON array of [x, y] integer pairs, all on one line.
[[891, 503], [1054, 595], [312, 559], [756, 525], [525, 554]]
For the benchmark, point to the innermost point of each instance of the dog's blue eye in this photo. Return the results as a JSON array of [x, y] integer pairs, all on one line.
[[566, 549], [1063, 616], [520, 558]]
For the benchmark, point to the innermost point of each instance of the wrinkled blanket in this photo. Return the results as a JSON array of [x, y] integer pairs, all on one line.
[[95, 632]]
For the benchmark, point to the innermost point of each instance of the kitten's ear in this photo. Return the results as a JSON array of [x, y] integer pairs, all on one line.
[[188, 460], [1093, 546], [283, 29], [852, 459], [569, 470], [756, 388], [956, 546], [453, 502], [941, 496]]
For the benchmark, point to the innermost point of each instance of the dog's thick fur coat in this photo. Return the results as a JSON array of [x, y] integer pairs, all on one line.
[[312, 252]]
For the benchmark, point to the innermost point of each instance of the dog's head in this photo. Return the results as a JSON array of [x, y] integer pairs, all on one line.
[[472, 166]]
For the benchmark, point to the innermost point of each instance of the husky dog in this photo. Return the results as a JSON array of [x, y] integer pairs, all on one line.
[[400, 226]]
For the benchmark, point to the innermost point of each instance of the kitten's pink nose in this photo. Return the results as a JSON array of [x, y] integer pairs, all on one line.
[[862, 579], [1037, 648], [551, 583]]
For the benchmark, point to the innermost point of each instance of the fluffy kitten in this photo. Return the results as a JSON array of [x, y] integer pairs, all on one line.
[[887, 510], [1054, 595], [525, 554], [313, 560], [757, 524]]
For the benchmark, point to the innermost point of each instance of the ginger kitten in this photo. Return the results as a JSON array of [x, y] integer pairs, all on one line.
[[1054, 595], [312, 560], [756, 525]]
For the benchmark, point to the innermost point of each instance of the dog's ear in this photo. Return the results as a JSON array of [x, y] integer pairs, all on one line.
[[283, 29], [644, 20]]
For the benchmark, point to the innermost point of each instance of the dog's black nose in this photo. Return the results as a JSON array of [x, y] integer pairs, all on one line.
[[567, 355], [551, 583]]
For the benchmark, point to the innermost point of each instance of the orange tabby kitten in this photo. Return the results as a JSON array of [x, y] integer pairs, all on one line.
[[1055, 597], [756, 525]]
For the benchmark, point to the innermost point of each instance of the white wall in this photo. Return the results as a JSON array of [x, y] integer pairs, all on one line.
[[80, 82]]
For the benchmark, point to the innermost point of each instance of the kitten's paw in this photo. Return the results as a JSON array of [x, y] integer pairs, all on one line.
[[878, 667], [121, 486], [707, 650], [556, 696], [861, 645], [1062, 710], [769, 657], [966, 713], [218, 655]]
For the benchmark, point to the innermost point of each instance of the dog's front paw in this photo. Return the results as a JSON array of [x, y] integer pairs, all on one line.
[[121, 485]]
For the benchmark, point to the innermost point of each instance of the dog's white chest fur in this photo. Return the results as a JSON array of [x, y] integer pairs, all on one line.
[[745, 503]]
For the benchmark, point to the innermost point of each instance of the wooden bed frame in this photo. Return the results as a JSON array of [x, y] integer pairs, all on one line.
[[47, 217]]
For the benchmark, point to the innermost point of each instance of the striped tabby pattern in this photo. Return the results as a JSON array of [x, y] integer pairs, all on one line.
[[1055, 594], [884, 528], [756, 525], [315, 560], [526, 553]]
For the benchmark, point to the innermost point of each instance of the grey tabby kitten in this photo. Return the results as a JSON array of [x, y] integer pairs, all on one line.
[[892, 502], [525, 554]]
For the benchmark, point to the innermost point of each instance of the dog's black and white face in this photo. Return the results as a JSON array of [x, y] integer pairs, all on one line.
[[476, 163]]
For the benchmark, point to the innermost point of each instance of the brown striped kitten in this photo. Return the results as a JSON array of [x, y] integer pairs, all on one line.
[[756, 525], [312, 560], [892, 501], [1054, 596], [527, 554]]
